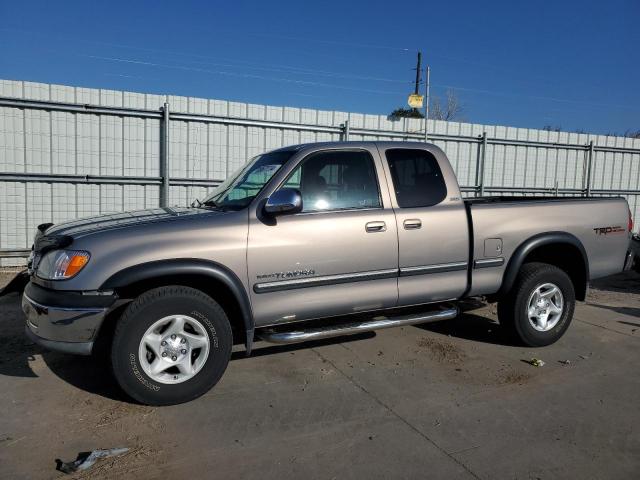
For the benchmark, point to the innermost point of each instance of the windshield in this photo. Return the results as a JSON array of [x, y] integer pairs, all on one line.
[[237, 191]]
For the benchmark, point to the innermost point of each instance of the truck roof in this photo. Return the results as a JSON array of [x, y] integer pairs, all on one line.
[[384, 144]]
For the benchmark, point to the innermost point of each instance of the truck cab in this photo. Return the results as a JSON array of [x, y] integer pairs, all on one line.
[[382, 227]]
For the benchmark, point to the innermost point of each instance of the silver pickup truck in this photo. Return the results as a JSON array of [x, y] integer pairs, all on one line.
[[308, 242]]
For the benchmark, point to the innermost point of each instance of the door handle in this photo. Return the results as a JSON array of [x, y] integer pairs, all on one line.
[[412, 224], [372, 227]]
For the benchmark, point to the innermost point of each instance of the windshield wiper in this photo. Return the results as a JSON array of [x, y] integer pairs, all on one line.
[[215, 205], [210, 203]]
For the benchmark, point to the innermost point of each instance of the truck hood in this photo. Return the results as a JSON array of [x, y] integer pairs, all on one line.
[[101, 223]]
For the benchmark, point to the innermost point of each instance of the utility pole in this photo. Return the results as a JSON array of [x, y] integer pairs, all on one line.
[[418, 72], [426, 103]]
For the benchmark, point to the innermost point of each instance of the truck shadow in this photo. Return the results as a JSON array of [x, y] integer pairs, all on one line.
[[625, 282], [470, 326], [631, 311], [19, 357], [263, 348], [92, 374]]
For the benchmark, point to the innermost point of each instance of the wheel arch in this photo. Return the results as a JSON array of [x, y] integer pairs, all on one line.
[[561, 249], [210, 277]]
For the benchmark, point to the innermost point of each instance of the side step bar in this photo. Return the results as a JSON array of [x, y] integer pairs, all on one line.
[[376, 323]]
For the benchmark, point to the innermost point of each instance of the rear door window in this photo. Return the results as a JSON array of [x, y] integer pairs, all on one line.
[[417, 178]]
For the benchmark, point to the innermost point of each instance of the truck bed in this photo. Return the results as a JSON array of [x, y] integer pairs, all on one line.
[[526, 199], [601, 225]]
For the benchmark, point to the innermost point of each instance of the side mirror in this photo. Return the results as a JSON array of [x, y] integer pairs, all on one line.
[[285, 200]]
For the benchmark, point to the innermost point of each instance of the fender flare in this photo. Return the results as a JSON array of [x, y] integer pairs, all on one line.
[[189, 266], [532, 243]]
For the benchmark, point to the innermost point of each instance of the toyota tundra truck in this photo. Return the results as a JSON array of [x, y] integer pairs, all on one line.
[[308, 242]]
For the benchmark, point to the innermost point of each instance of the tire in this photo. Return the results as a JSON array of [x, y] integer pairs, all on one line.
[[191, 360], [514, 307]]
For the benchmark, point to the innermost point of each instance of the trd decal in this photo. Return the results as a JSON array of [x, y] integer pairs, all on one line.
[[608, 230]]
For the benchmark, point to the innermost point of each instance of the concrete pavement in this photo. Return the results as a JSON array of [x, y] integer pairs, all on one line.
[[447, 400]]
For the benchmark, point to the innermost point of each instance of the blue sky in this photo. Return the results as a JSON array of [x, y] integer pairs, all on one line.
[[574, 64]]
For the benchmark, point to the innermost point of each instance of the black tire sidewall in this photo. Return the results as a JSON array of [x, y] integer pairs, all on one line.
[[526, 332], [135, 322]]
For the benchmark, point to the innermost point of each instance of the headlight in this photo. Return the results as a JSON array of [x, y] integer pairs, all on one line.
[[62, 264]]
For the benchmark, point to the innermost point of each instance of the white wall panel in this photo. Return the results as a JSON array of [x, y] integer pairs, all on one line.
[[63, 142], [133, 197], [111, 198], [63, 202], [111, 145], [38, 141], [12, 147], [237, 147], [88, 144], [152, 147], [134, 146], [88, 200], [198, 150], [217, 159], [11, 88], [12, 214], [178, 138]]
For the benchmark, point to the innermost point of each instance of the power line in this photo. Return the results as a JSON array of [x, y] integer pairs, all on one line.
[[535, 97], [240, 75], [251, 65]]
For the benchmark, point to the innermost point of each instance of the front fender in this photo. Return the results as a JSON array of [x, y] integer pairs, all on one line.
[[188, 266]]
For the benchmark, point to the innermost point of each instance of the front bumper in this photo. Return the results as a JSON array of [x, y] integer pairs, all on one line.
[[71, 328]]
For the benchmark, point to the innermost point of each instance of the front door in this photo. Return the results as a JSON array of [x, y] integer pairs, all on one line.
[[339, 255], [432, 226]]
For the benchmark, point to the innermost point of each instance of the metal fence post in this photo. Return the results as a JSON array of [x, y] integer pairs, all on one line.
[[164, 158], [345, 131], [589, 168], [480, 166]]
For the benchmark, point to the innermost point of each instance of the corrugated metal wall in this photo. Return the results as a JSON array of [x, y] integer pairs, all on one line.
[[208, 139]]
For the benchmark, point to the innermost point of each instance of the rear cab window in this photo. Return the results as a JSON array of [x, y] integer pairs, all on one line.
[[417, 178]]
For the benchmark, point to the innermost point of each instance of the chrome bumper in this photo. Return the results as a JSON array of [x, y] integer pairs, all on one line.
[[68, 330]]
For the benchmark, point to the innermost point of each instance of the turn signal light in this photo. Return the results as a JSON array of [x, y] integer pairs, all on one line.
[[62, 264]]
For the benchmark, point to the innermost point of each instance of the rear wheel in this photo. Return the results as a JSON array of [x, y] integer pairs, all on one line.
[[539, 308], [171, 345]]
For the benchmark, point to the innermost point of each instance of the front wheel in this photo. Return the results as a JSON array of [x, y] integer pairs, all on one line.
[[539, 308], [171, 345]]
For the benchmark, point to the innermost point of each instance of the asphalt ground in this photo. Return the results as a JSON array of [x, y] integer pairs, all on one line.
[[448, 400]]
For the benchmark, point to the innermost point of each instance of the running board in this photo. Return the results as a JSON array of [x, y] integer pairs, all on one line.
[[376, 323]]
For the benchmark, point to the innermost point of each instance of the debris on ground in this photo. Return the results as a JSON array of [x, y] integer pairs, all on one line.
[[536, 362], [565, 362], [442, 351], [86, 460], [514, 378]]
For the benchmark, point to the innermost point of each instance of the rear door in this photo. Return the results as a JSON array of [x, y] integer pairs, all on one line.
[[432, 225], [339, 255]]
